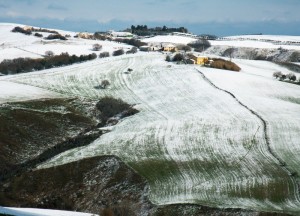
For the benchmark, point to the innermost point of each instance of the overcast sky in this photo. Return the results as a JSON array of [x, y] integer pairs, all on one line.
[[200, 16]]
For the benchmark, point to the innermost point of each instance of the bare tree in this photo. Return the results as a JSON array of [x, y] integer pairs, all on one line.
[[49, 53], [277, 74], [104, 84], [291, 77], [97, 47]]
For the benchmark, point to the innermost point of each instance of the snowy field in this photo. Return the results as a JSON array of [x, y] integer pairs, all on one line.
[[257, 41], [40, 212], [282, 38], [13, 92], [15, 45], [193, 142]]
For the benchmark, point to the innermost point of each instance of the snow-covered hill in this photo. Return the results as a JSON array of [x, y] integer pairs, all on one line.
[[15, 45], [202, 135], [250, 41]]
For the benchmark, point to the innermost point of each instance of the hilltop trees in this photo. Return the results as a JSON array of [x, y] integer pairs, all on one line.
[[143, 30]]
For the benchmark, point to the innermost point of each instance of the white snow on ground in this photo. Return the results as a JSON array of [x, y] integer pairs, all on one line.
[[277, 102], [40, 212], [267, 37], [192, 142], [169, 39], [232, 41], [253, 44], [15, 45], [13, 92]]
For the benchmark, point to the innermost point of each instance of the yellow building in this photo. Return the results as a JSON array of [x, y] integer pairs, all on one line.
[[170, 48], [200, 60]]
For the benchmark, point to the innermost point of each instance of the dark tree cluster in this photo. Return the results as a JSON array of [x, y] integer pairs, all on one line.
[[55, 36], [101, 36], [104, 55], [38, 35], [143, 30], [178, 57], [21, 30], [290, 76], [132, 42], [118, 52], [23, 65], [29, 32], [110, 107]]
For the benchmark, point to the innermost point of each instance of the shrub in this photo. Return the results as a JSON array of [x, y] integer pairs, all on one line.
[[38, 35], [277, 74], [104, 84], [110, 107], [223, 64], [104, 55], [283, 77], [49, 53], [178, 57], [55, 36], [118, 52], [291, 77], [97, 47], [92, 56]]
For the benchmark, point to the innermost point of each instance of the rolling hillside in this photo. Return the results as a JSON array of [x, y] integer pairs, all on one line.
[[202, 136]]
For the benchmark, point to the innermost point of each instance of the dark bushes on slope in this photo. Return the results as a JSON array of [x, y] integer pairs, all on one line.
[[55, 36], [23, 65], [21, 30], [118, 52], [110, 107]]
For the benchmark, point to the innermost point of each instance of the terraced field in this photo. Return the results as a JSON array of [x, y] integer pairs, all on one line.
[[193, 142]]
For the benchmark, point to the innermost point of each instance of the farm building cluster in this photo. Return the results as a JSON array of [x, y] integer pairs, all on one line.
[[168, 47]]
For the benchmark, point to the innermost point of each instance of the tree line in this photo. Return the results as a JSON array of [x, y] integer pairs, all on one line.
[[23, 65], [143, 30]]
